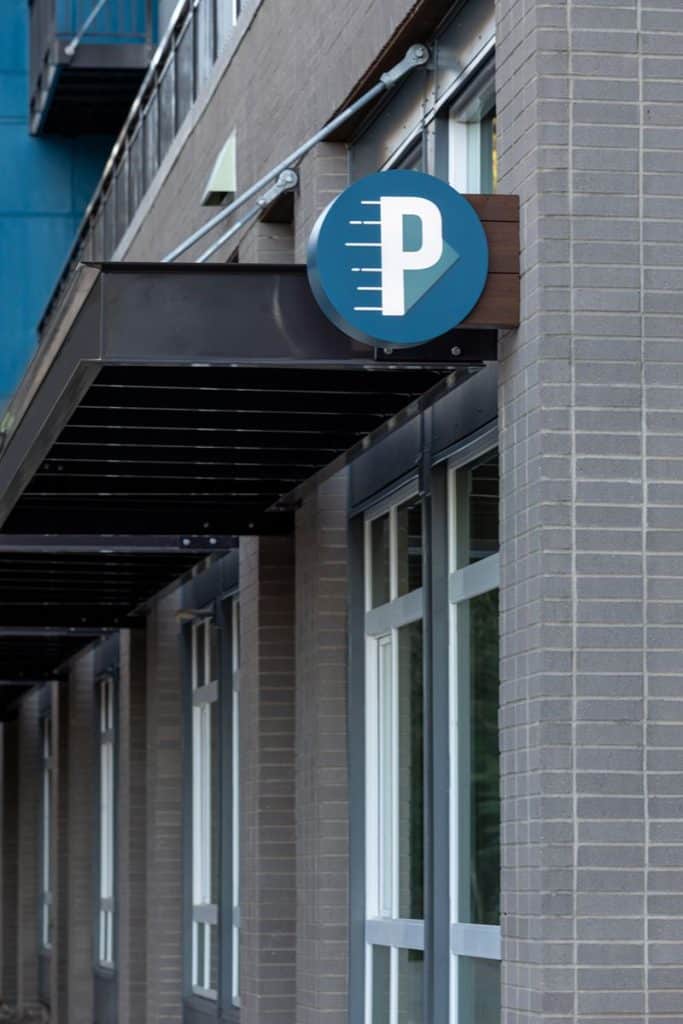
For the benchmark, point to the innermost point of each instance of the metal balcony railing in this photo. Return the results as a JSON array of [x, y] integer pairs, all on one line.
[[70, 40], [179, 69]]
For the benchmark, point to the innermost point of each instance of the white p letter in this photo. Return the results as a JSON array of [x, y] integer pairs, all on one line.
[[395, 259]]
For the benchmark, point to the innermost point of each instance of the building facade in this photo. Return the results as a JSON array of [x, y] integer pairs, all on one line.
[[343, 685]]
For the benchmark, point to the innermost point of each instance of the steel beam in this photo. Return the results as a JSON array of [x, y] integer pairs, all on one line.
[[104, 544]]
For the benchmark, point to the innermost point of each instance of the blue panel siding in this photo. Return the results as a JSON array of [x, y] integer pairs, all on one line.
[[46, 185], [118, 20]]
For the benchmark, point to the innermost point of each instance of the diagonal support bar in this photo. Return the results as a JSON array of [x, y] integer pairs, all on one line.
[[416, 57]]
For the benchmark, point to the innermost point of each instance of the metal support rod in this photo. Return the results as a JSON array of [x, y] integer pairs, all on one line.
[[71, 47], [417, 56], [287, 181]]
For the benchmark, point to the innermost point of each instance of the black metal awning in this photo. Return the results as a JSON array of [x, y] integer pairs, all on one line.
[[182, 406], [195, 398]]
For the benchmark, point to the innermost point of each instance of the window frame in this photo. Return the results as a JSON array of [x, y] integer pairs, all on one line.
[[381, 628], [204, 912], [467, 941], [200, 1003], [47, 809], [105, 912]]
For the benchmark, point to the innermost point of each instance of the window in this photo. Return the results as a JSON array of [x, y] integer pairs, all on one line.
[[394, 763], [47, 818], [474, 699], [472, 160], [235, 776], [105, 935], [205, 808]]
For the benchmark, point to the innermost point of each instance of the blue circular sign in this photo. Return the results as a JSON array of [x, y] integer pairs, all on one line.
[[398, 258]]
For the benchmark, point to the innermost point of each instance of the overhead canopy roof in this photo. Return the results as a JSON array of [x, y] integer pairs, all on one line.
[[185, 402], [194, 398]]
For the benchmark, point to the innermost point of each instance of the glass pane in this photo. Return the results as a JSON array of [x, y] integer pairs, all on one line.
[[386, 776], [200, 954], [410, 772], [489, 161], [204, 28], [199, 654], [409, 537], [381, 985], [109, 224], [224, 23], [167, 107], [215, 809], [151, 133], [379, 542], [411, 986], [184, 72], [481, 899], [477, 490], [213, 958], [479, 990], [122, 198], [236, 636], [213, 652]]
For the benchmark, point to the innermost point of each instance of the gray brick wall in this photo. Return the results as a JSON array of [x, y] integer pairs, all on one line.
[[267, 782], [589, 134], [164, 780], [131, 828], [9, 865], [293, 69], [321, 756], [26, 948], [323, 174]]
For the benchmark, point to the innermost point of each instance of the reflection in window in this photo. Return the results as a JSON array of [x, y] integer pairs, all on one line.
[[47, 828], [410, 772], [205, 809], [409, 540], [380, 583], [481, 905], [106, 832], [479, 991], [478, 498], [381, 988], [410, 986], [472, 156]]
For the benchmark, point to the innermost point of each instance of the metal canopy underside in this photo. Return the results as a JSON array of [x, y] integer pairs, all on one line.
[[94, 590], [195, 398], [183, 404]]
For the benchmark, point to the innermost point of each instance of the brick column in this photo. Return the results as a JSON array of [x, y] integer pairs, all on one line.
[[8, 865], [164, 900], [131, 827], [321, 756], [268, 835], [266, 243], [323, 174], [590, 135], [26, 949], [60, 748]]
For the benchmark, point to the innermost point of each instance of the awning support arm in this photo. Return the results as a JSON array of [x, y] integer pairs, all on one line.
[[417, 56]]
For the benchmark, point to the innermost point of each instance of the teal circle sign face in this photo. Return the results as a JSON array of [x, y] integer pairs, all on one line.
[[399, 258]]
